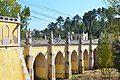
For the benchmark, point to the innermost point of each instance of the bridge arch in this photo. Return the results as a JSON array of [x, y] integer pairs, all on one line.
[[59, 66], [40, 67], [86, 59], [74, 62]]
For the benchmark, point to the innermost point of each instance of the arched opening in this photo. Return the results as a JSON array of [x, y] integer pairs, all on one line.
[[5, 31], [5, 35], [59, 66], [74, 62], [86, 66], [95, 60], [73, 38], [77, 37], [40, 68]]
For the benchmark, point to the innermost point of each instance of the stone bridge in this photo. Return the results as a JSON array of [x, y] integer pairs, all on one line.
[[57, 58]]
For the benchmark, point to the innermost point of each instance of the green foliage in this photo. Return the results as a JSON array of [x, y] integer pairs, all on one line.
[[24, 16], [114, 4], [105, 56], [104, 52], [9, 8], [116, 51]]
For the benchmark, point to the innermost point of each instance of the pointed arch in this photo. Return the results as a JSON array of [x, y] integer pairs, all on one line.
[[59, 65], [85, 58], [5, 35], [40, 67], [74, 62], [5, 31]]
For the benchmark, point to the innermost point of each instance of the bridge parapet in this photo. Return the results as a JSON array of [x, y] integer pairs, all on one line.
[[85, 41], [95, 41], [40, 41], [74, 41], [9, 19], [59, 41]]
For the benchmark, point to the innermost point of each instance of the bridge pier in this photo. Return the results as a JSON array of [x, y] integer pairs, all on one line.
[[82, 55], [70, 72], [53, 67]]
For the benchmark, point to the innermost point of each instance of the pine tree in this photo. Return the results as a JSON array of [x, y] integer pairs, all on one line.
[[104, 55]]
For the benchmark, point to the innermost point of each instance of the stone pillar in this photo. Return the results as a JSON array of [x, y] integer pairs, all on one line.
[[52, 37], [29, 62], [28, 55], [79, 56], [70, 71], [45, 37], [18, 16], [53, 66], [90, 52], [92, 59], [82, 61], [68, 61]]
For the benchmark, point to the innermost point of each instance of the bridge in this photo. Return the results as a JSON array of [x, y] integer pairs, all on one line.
[[59, 58]]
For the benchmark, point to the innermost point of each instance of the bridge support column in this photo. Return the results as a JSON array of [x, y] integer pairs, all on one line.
[[70, 72], [82, 55], [92, 60], [53, 67]]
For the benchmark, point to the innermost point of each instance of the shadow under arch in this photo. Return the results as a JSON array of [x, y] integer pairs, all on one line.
[[74, 62], [40, 67], [90, 59], [85, 58], [59, 66], [95, 59]]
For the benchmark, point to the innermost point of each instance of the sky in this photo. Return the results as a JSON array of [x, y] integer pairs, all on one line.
[[44, 12]]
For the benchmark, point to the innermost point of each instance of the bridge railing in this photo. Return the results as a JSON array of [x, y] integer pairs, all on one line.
[[85, 41], [59, 41]]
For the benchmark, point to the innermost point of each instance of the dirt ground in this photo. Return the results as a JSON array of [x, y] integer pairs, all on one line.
[[95, 75]]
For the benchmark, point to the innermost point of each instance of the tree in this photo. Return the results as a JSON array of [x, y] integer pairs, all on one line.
[[114, 3], [76, 24], [104, 52], [53, 27], [60, 21], [89, 19], [67, 25], [116, 51], [9, 8]]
